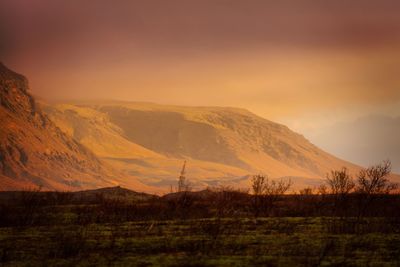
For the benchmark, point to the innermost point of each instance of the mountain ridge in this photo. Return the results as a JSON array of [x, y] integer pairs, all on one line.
[[232, 142]]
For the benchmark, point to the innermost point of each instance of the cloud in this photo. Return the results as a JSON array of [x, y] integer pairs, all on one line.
[[278, 58]]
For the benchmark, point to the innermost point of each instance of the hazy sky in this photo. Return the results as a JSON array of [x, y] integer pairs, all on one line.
[[305, 63]]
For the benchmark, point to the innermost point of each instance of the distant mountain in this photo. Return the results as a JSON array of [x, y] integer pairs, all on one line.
[[367, 140], [34, 152], [221, 145]]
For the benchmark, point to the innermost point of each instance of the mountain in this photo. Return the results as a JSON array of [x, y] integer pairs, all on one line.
[[221, 145], [34, 152], [142, 146], [366, 140]]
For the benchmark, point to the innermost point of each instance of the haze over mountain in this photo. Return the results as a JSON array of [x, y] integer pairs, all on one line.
[[365, 141], [34, 152]]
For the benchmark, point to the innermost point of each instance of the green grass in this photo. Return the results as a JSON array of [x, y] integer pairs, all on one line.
[[201, 242]]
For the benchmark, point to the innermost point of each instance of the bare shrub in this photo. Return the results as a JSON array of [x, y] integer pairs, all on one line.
[[374, 180], [277, 188], [229, 201], [340, 182], [308, 191], [266, 192], [373, 183], [322, 190]]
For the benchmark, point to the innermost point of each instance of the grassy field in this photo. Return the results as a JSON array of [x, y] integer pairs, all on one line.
[[199, 242]]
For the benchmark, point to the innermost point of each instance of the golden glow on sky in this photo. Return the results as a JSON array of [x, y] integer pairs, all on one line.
[[281, 59]]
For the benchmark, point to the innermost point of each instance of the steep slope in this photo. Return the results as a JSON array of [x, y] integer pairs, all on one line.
[[35, 153], [222, 145], [94, 130]]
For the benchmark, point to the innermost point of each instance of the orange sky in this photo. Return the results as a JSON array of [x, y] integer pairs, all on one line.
[[299, 62]]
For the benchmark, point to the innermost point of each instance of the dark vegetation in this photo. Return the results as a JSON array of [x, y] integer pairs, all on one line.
[[345, 222]]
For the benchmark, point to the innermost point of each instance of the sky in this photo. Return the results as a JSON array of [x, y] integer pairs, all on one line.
[[308, 64]]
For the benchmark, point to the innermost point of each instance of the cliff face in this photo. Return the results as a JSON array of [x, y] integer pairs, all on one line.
[[36, 153]]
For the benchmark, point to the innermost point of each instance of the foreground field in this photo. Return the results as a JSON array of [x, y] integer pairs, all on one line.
[[201, 242]]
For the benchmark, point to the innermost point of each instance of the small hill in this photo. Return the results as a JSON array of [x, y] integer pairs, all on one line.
[[94, 196], [116, 192]]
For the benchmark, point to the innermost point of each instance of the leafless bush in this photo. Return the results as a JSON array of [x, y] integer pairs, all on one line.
[[374, 180], [308, 191], [229, 201], [277, 188], [266, 192], [340, 182], [322, 190]]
